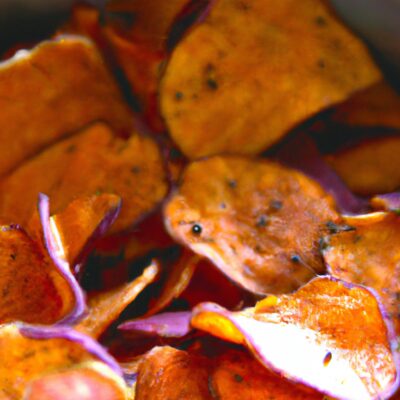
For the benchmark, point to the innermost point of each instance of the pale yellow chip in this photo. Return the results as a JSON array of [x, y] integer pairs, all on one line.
[[253, 69]]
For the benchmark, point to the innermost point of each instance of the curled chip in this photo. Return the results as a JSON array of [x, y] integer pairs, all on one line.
[[87, 381], [169, 324], [388, 202], [167, 373], [32, 288], [105, 307], [91, 162], [257, 221], [83, 221], [370, 167], [329, 335], [52, 91], [28, 352], [376, 106], [245, 68], [369, 255]]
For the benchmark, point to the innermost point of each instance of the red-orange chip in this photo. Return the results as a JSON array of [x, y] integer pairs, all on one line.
[[52, 91], [257, 221], [91, 162], [32, 289], [330, 335], [105, 307], [88, 381], [369, 255], [370, 167], [376, 106], [245, 68]]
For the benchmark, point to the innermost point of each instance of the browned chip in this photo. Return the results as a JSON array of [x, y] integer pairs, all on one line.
[[369, 255], [370, 167], [106, 306], [55, 89], [32, 289], [91, 162], [257, 221], [378, 105], [253, 79]]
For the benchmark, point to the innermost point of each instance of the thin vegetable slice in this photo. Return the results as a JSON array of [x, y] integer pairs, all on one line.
[[370, 167], [257, 221], [28, 352], [105, 307], [87, 381], [330, 335], [52, 91], [376, 106], [91, 162], [369, 255], [254, 84]]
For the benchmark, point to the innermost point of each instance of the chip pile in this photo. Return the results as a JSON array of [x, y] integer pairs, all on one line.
[[198, 201]]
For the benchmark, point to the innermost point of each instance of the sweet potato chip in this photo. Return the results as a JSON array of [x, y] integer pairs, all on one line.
[[252, 78], [237, 376], [376, 106], [169, 324], [83, 221], [106, 306], [91, 162], [370, 167], [91, 380], [369, 255], [32, 289], [166, 373], [52, 91], [28, 352], [257, 221], [329, 335]]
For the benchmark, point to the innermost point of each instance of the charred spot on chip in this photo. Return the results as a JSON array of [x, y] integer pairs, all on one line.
[[262, 221], [197, 229], [70, 149], [320, 21], [321, 64], [275, 205], [238, 378], [135, 169], [232, 183], [335, 228], [327, 358], [295, 258], [212, 83], [178, 96]]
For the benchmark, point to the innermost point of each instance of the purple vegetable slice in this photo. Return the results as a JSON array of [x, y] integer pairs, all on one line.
[[330, 335]]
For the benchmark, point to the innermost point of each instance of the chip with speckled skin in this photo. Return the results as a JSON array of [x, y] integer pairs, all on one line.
[[369, 255], [242, 78], [330, 335], [257, 221]]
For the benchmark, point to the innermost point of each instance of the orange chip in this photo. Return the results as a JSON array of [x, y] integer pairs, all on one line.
[[330, 335], [177, 280], [369, 255], [88, 163], [237, 376], [28, 353], [91, 380], [32, 289], [257, 221], [83, 221], [371, 166], [378, 105], [105, 307], [52, 91], [252, 78], [166, 373]]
